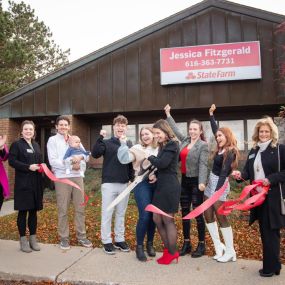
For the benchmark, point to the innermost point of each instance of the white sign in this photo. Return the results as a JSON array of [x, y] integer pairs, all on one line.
[[218, 62]]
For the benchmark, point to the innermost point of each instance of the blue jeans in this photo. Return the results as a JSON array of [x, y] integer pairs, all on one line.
[[145, 225]]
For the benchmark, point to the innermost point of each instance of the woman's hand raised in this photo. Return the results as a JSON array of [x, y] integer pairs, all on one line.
[[212, 109], [167, 109]]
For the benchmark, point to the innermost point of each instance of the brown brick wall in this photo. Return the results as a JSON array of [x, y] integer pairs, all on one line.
[[81, 128], [12, 130]]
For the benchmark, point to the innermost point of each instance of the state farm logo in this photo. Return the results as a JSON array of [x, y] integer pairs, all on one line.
[[200, 75], [191, 75]]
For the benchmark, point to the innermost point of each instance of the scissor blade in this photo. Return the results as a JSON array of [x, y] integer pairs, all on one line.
[[119, 198]]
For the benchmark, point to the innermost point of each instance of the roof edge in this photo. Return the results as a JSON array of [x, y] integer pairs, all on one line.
[[199, 7]]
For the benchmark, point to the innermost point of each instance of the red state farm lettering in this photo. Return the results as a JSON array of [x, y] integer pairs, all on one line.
[[214, 74]]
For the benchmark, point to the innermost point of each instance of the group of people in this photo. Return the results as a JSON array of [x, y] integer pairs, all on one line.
[[163, 146]]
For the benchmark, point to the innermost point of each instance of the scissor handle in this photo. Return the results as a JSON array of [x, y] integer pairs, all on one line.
[[142, 169]]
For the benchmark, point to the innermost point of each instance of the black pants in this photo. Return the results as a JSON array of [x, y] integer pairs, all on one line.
[[191, 196], [1, 196], [270, 241], [22, 222]]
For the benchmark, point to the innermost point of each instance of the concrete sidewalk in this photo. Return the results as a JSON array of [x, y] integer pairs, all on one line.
[[7, 208], [92, 266]]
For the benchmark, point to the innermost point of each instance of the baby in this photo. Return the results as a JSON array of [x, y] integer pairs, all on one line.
[[74, 153]]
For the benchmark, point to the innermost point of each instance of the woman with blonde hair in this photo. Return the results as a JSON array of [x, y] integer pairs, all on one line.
[[143, 192], [224, 162], [266, 162]]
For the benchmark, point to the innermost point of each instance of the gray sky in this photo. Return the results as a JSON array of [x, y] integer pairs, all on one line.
[[87, 25]]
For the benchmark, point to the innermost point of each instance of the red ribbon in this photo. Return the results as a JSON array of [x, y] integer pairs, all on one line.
[[154, 209], [43, 168], [256, 199], [206, 204]]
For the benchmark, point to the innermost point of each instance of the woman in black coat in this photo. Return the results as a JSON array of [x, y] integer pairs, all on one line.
[[263, 164], [167, 192], [25, 156]]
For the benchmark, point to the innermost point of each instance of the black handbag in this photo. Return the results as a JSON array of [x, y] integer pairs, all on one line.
[[282, 200]]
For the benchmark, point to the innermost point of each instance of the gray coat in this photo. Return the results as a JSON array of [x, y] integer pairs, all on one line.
[[197, 158]]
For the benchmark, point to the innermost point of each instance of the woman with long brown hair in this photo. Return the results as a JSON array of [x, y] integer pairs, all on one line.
[[225, 160], [167, 192], [25, 157]]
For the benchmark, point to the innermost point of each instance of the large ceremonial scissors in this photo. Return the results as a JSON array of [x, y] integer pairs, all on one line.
[[143, 173]]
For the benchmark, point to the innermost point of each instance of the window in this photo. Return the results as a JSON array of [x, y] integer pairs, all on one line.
[[250, 128], [109, 130], [182, 126], [237, 128], [210, 138], [131, 134], [144, 125]]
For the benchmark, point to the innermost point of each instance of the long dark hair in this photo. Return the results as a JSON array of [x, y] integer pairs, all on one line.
[[195, 121], [164, 126], [230, 146]]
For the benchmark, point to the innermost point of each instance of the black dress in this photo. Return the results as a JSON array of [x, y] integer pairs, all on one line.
[[28, 190], [167, 192]]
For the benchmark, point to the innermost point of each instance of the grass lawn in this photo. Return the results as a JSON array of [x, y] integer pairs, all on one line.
[[247, 239]]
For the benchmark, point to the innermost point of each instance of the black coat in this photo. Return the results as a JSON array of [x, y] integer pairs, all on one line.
[[28, 190], [113, 171], [269, 160], [167, 192]]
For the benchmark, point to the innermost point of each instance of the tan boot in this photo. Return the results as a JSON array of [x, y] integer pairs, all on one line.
[[33, 243], [24, 245]]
